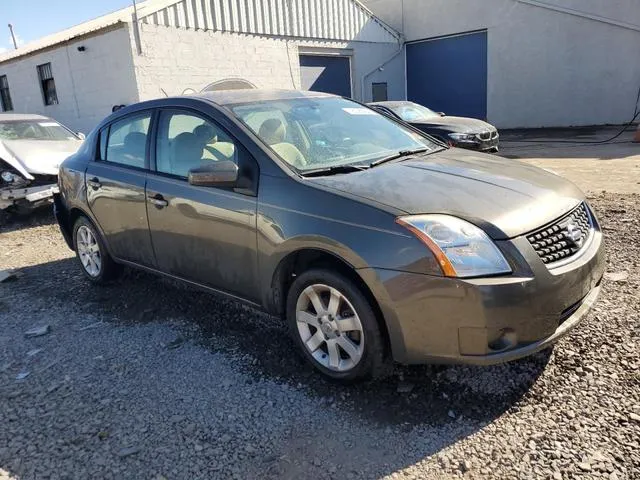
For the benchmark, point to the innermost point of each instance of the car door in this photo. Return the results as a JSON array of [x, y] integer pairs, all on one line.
[[116, 188], [203, 234]]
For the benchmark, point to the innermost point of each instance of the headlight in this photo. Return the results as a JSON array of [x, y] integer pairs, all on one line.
[[8, 176], [462, 249], [463, 137]]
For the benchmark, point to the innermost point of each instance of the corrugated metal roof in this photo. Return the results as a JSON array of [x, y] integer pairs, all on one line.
[[323, 19]]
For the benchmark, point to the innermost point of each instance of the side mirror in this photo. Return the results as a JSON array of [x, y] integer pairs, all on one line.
[[81, 135], [442, 114], [217, 174]]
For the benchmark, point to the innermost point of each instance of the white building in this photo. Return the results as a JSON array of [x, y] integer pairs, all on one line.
[[521, 63], [518, 63], [78, 75]]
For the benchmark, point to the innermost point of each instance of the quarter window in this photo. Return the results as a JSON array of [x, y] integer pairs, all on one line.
[[187, 141], [5, 96], [127, 141], [47, 84]]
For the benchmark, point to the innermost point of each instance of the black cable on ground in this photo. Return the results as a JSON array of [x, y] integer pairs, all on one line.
[[599, 142]]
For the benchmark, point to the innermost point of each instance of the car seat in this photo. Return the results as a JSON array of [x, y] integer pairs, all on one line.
[[186, 154], [273, 133]]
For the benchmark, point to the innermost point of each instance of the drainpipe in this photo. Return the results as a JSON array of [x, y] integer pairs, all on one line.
[[136, 28], [380, 67]]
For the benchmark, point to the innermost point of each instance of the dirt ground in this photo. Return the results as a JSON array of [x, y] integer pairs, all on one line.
[[148, 379], [611, 167]]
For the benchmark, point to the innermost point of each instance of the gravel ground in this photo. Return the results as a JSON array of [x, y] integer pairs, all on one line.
[[148, 379]]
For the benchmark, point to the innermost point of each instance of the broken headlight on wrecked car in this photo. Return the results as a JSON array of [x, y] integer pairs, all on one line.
[[8, 177]]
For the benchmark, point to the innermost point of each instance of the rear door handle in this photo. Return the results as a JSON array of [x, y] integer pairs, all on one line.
[[94, 183], [158, 200]]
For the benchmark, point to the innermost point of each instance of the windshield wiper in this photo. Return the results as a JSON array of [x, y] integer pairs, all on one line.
[[400, 154], [334, 170]]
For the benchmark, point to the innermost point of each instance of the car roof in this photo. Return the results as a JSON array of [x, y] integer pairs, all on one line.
[[14, 117], [230, 97], [221, 98]]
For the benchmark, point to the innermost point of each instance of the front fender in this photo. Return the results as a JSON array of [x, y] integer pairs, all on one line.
[[316, 242]]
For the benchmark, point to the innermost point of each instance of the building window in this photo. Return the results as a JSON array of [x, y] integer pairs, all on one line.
[[379, 92], [5, 96], [47, 84]]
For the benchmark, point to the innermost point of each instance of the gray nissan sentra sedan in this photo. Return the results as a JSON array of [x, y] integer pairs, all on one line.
[[372, 240]]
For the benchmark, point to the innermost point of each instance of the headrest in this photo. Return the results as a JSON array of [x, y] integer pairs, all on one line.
[[272, 131]]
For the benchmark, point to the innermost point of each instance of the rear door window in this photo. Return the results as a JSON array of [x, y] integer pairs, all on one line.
[[127, 141]]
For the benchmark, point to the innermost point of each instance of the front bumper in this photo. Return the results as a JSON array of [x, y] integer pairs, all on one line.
[[33, 196], [487, 320], [492, 145]]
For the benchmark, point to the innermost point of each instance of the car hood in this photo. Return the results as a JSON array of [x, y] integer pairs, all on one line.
[[38, 157], [456, 124], [504, 197]]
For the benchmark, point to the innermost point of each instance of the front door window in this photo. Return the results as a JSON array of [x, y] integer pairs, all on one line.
[[187, 141]]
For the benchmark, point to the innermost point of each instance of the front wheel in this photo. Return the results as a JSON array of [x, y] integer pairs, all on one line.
[[96, 263], [335, 326]]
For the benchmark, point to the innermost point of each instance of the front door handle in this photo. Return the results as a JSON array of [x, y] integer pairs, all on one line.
[[94, 183], [158, 200]]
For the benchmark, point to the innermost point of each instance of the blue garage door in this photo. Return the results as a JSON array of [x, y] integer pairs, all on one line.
[[326, 74], [449, 74]]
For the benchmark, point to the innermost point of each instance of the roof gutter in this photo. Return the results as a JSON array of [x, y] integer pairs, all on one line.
[[378, 20], [581, 14]]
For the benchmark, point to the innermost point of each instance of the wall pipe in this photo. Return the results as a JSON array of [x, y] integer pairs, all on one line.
[[363, 81]]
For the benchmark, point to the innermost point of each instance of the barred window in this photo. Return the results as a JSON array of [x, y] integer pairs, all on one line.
[[47, 84], [5, 97]]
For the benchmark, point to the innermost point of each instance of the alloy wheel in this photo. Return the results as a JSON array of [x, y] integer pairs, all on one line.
[[89, 251], [330, 328]]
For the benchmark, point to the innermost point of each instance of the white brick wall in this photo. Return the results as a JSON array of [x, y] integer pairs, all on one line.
[[175, 59], [111, 72], [88, 83]]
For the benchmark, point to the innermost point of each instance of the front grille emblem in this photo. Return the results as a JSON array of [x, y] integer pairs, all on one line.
[[574, 234], [563, 238]]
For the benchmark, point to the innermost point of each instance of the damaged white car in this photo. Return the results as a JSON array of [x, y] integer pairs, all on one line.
[[32, 147]]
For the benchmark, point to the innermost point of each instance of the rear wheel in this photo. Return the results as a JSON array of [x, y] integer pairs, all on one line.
[[334, 326], [96, 263]]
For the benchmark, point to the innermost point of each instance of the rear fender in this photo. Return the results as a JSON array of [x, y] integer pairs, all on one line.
[[62, 216]]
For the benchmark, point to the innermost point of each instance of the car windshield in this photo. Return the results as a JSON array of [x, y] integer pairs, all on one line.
[[317, 133], [412, 112], [34, 130]]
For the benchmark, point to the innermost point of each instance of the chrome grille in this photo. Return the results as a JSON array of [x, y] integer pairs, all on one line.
[[563, 238], [489, 135]]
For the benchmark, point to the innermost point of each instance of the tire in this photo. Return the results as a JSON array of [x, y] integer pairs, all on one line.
[[348, 322], [98, 269]]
